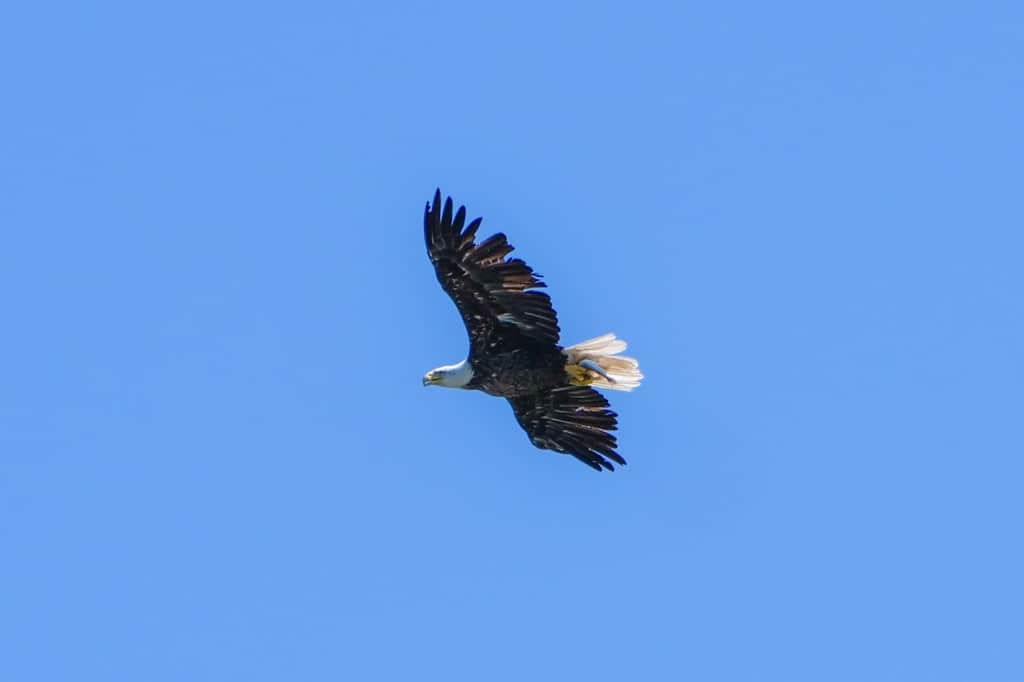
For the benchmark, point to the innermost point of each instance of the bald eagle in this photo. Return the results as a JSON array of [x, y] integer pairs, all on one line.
[[513, 343]]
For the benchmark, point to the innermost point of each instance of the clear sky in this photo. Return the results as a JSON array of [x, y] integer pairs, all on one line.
[[217, 460]]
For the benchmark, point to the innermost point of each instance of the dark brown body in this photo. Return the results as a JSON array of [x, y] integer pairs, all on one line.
[[519, 371]]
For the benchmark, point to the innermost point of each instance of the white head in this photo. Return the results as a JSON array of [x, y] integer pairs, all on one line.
[[450, 376]]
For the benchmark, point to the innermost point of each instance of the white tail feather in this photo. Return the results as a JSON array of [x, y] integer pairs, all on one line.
[[618, 373]]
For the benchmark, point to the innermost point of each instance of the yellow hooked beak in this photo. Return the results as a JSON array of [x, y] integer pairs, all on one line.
[[431, 378]]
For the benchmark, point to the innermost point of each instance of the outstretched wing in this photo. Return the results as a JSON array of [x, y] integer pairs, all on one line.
[[490, 291], [571, 419]]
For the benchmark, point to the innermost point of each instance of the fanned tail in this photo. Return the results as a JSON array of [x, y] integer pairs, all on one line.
[[596, 362]]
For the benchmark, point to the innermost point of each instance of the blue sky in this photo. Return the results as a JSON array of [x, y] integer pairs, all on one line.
[[218, 461]]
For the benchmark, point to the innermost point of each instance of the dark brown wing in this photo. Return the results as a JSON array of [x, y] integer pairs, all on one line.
[[490, 291], [571, 419]]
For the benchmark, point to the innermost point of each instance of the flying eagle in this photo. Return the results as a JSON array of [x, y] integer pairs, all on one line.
[[513, 343]]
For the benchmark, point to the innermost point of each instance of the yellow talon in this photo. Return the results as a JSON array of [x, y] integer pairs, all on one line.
[[578, 376]]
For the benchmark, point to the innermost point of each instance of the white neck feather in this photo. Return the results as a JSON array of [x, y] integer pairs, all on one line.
[[455, 376]]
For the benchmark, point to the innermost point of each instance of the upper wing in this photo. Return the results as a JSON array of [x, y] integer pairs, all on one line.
[[487, 289], [571, 419]]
